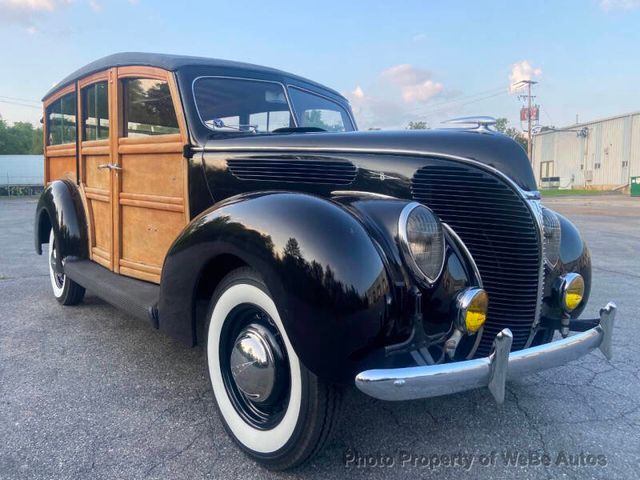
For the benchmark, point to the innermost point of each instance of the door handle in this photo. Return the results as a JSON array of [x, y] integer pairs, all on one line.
[[110, 166]]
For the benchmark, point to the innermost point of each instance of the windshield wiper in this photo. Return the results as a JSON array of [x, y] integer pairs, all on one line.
[[218, 124]]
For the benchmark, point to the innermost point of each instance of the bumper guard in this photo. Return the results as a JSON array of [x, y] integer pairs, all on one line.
[[411, 383]]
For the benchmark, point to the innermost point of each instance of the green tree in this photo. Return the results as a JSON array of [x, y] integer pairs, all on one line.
[[502, 126], [418, 125], [20, 138]]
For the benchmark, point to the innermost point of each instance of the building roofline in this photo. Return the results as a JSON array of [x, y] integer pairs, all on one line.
[[591, 122]]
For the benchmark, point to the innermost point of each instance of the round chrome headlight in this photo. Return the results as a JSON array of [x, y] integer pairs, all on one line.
[[421, 242], [551, 241]]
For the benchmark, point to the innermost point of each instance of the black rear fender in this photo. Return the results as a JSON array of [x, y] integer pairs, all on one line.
[[60, 208]]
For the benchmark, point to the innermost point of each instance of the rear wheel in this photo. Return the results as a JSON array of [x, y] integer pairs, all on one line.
[[66, 291], [276, 410]]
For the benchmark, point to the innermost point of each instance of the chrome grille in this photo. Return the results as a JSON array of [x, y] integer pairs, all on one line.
[[501, 234], [294, 169]]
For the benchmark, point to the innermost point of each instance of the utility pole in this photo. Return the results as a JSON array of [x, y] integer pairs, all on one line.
[[528, 83]]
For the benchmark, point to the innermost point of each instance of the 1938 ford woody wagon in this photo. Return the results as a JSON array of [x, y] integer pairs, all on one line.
[[236, 207]]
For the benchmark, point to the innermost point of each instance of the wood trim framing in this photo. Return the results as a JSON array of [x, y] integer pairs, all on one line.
[[156, 210], [56, 95]]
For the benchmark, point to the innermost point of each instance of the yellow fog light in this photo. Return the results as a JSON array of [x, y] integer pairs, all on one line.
[[472, 306], [571, 291]]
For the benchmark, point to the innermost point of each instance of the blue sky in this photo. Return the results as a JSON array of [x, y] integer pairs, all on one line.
[[396, 61]]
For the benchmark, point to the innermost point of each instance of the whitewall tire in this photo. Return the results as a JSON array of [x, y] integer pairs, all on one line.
[[277, 411], [65, 290]]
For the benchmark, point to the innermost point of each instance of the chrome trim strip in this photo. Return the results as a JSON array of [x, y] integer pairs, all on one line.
[[536, 208], [476, 273], [411, 383], [465, 251], [525, 194], [195, 102], [418, 274]]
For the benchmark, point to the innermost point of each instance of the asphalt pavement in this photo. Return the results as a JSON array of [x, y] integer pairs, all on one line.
[[89, 392]]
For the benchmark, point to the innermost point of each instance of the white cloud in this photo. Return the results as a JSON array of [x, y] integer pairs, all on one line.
[[23, 12], [419, 37], [608, 5], [522, 71], [95, 6], [402, 93], [34, 5], [358, 92], [415, 84]]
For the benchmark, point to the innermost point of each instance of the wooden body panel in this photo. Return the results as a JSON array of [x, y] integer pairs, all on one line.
[[151, 201], [96, 185]]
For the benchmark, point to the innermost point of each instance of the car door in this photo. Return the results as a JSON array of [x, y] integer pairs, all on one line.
[[151, 181]]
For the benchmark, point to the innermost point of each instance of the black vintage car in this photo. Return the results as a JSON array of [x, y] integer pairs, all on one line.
[[238, 208]]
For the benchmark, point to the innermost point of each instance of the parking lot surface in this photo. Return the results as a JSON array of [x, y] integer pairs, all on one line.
[[88, 392]]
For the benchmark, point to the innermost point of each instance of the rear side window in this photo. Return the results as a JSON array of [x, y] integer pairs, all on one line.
[[95, 112], [148, 108], [61, 120]]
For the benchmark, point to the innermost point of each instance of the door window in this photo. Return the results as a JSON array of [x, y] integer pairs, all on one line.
[[148, 108], [95, 112], [61, 120], [316, 111]]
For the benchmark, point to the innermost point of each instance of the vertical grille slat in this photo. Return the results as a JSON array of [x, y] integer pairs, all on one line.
[[502, 235]]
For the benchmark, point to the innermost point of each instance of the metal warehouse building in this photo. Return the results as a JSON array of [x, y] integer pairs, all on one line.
[[602, 154]]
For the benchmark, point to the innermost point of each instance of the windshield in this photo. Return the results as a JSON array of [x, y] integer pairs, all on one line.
[[313, 110], [237, 105]]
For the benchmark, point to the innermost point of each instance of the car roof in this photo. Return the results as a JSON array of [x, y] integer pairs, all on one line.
[[172, 63]]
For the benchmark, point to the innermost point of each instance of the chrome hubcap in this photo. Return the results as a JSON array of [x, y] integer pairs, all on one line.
[[254, 362]]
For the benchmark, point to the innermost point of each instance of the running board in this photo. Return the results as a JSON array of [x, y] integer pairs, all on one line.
[[135, 297]]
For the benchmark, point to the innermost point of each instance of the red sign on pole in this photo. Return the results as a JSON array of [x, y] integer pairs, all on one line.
[[535, 114]]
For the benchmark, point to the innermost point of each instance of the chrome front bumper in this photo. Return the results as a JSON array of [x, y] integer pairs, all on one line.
[[493, 371]]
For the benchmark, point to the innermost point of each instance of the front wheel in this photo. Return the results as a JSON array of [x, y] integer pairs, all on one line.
[[66, 291], [276, 410]]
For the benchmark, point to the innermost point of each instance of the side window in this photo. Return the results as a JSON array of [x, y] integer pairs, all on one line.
[[315, 111], [148, 108], [61, 120], [95, 112]]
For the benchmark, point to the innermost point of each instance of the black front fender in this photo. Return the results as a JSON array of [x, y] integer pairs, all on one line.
[[574, 257], [60, 208], [322, 269]]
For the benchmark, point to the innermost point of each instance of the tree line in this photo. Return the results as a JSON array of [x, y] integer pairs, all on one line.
[[21, 138]]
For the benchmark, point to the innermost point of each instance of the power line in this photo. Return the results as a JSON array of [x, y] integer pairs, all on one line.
[[471, 97], [20, 99], [457, 105], [20, 104]]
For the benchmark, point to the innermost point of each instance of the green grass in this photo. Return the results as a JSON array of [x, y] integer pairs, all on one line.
[[575, 191]]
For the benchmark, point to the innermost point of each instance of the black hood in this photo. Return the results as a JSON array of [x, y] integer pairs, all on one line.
[[490, 148]]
